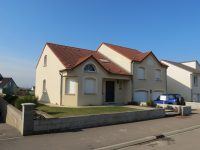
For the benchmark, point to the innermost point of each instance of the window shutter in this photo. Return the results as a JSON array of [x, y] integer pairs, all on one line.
[[70, 86], [90, 86], [140, 73], [157, 74]]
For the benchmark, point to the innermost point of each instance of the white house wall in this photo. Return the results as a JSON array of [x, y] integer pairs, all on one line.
[[178, 81], [50, 73]]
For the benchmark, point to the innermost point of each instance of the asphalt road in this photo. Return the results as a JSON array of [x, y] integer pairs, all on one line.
[[92, 138], [184, 141]]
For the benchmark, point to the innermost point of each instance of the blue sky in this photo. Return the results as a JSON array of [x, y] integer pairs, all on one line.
[[170, 28]]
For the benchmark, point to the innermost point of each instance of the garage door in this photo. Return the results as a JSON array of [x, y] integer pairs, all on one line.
[[140, 96], [156, 94]]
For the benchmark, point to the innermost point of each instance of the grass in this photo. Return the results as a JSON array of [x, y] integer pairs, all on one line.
[[65, 111]]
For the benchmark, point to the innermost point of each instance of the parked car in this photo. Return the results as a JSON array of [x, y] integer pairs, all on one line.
[[175, 99]]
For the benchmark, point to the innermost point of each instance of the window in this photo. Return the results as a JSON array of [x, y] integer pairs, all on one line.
[[44, 86], [157, 74], [140, 73], [45, 60], [195, 81], [90, 68], [90, 86], [70, 86]]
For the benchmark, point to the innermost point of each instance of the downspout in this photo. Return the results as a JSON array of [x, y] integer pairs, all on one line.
[[166, 81], [61, 86], [132, 82]]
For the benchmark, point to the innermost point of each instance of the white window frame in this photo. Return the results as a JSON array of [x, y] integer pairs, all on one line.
[[138, 73], [70, 86], [160, 73], [90, 90]]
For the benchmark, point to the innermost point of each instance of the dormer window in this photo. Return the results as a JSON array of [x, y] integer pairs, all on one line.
[[45, 60], [89, 68]]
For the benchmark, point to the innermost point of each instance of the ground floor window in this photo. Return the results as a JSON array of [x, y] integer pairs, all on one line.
[[90, 86], [70, 87]]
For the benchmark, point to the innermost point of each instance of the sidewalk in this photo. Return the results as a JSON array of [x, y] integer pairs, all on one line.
[[93, 138]]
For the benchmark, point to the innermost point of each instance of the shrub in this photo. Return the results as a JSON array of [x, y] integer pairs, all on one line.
[[25, 99], [151, 103], [10, 98], [133, 103]]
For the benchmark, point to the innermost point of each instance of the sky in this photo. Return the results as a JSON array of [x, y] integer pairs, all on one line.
[[169, 28]]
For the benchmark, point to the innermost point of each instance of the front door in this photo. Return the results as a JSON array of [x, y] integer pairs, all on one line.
[[110, 91]]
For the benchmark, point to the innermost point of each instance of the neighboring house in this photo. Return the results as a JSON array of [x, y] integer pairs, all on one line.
[[184, 78], [113, 74], [7, 85]]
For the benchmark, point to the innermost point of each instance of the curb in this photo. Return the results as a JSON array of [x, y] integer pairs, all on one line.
[[147, 139], [126, 144], [171, 133]]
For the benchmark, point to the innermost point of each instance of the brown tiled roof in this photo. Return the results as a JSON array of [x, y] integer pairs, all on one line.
[[72, 57], [132, 54]]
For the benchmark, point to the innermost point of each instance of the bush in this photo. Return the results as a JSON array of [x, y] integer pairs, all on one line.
[[25, 99], [151, 103], [10, 98], [133, 103]]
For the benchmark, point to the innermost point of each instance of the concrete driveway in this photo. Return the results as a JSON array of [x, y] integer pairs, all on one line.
[[93, 138]]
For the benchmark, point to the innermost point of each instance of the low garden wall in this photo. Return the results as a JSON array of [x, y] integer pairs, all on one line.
[[25, 123], [10, 114], [80, 122], [194, 105]]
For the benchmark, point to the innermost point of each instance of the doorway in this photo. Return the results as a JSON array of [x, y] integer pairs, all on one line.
[[110, 91]]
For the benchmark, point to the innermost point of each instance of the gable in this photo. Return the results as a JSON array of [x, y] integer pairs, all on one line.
[[51, 58], [152, 59]]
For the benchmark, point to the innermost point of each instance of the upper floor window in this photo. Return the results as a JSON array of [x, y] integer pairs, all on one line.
[[157, 74], [195, 80], [70, 87], [90, 68], [141, 73], [45, 60]]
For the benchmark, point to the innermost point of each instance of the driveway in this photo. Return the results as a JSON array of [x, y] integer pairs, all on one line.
[[97, 137]]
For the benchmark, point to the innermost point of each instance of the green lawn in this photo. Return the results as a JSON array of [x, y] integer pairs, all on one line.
[[64, 111]]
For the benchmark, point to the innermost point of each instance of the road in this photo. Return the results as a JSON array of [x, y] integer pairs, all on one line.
[[184, 141], [93, 138]]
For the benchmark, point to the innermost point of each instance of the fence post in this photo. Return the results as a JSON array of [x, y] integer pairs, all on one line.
[[27, 118]]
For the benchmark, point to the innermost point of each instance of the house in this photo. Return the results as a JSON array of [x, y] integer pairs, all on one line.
[[7, 85], [184, 78], [112, 74]]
